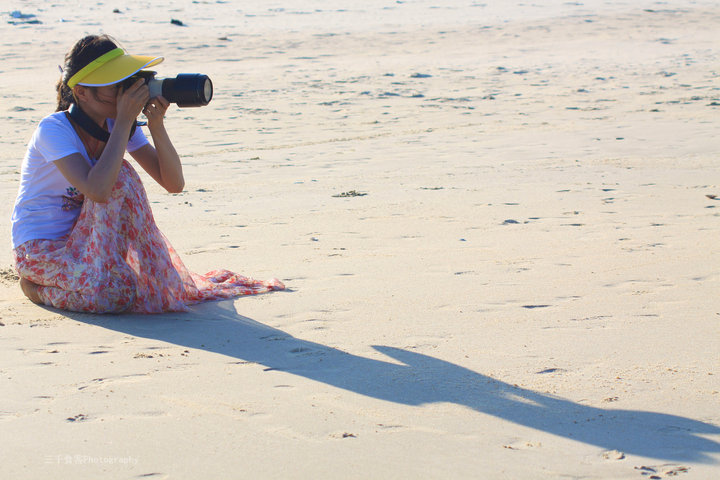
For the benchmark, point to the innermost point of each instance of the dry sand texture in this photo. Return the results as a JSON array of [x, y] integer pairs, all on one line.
[[492, 218]]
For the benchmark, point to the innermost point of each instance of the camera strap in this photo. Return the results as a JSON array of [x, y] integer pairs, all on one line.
[[84, 121]]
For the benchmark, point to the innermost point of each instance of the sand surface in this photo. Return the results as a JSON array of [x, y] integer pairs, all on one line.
[[492, 217]]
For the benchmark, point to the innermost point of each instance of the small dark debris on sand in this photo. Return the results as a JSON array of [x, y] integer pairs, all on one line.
[[8, 275], [77, 418], [19, 18], [351, 193]]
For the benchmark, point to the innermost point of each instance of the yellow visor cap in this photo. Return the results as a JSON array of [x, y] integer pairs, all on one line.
[[110, 68]]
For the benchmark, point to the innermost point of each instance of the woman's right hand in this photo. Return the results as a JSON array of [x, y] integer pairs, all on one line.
[[130, 102]]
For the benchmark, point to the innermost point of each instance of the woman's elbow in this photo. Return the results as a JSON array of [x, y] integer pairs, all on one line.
[[176, 187], [99, 197]]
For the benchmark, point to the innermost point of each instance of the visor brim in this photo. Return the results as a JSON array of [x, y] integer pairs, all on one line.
[[118, 69]]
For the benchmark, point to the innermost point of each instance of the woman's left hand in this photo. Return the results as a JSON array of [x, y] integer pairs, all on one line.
[[155, 111], [161, 161]]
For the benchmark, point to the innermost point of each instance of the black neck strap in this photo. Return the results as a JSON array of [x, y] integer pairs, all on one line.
[[84, 121]]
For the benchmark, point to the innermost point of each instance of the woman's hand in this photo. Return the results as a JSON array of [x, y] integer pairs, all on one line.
[[155, 111], [131, 102]]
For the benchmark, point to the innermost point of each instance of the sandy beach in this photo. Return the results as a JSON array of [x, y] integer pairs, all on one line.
[[496, 221]]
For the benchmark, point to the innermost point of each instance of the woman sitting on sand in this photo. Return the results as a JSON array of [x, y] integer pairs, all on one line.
[[83, 233]]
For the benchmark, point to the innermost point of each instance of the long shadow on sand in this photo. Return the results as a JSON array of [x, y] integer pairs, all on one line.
[[421, 379]]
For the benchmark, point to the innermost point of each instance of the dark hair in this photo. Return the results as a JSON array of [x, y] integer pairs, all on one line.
[[83, 52]]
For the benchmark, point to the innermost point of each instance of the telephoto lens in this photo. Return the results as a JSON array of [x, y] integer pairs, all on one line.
[[186, 89]]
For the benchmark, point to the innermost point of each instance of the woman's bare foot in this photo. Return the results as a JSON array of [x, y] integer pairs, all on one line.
[[30, 290]]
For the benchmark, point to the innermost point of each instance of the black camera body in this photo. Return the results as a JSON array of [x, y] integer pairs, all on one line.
[[186, 89]]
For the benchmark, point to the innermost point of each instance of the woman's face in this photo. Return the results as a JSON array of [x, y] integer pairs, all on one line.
[[99, 102], [106, 99]]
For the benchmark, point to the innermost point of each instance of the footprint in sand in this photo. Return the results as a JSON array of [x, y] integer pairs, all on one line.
[[613, 455]]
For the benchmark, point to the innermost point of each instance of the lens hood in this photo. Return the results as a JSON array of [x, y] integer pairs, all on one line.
[[187, 89]]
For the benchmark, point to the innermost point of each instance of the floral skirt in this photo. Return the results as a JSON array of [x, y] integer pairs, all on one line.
[[116, 259]]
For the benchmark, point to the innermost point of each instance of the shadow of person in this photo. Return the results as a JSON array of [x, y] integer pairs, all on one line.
[[420, 379]]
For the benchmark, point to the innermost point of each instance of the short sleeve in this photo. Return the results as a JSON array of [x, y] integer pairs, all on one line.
[[137, 141], [54, 139]]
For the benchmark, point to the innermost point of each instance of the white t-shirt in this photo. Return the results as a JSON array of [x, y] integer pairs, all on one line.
[[47, 204]]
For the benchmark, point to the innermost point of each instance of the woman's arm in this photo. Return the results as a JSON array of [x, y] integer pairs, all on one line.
[[161, 162], [97, 182]]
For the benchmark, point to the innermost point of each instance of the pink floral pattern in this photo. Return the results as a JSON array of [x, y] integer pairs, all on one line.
[[116, 259]]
